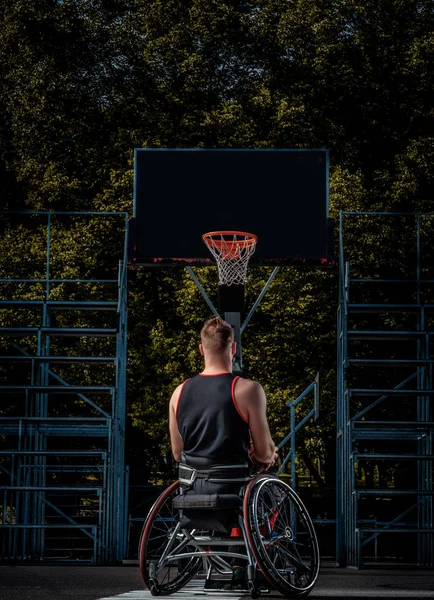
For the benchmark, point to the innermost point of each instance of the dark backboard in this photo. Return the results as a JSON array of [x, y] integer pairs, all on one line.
[[279, 195]]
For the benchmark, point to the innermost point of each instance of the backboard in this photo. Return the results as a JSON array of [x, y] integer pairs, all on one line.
[[279, 195]]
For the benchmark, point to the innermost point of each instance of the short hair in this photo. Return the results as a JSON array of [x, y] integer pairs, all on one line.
[[216, 335]]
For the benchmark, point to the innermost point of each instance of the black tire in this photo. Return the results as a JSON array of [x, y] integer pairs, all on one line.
[[254, 592], [281, 535], [160, 523]]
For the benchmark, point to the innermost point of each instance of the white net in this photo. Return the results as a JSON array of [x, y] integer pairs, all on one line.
[[232, 251]]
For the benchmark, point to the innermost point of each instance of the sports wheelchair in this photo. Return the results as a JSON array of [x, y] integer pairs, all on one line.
[[265, 526]]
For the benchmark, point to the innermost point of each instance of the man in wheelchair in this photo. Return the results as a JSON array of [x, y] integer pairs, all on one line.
[[217, 514], [218, 427]]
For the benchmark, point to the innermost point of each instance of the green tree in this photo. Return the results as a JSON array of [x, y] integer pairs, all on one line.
[[84, 83]]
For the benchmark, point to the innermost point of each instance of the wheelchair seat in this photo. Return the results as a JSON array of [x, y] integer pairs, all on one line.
[[210, 494], [214, 501]]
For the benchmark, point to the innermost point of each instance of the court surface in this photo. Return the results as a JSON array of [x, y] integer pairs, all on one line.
[[42, 582]]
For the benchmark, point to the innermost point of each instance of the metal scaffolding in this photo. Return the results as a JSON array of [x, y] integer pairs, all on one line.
[[385, 389], [291, 456], [63, 340]]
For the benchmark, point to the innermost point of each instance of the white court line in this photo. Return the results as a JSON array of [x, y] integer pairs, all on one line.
[[195, 590], [192, 589]]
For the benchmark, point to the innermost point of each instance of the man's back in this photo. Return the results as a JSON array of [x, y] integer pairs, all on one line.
[[221, 411], [209, 420]]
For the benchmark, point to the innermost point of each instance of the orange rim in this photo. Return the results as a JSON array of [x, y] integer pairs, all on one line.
[[251, 237], [229, 247]]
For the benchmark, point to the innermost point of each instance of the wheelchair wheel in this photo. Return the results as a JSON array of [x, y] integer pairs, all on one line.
[[281, 536], [162, 537]]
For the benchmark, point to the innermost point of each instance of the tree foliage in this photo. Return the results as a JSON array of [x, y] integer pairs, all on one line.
[[84, 82]]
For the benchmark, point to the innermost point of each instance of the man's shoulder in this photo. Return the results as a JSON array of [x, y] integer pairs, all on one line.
[[177, 392], [244, 384], [248, 380]]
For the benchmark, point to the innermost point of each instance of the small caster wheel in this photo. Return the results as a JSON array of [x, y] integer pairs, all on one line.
[[153, 583], [254, 590]]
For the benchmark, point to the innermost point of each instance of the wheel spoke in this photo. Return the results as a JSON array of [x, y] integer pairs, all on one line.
[[292, 557]]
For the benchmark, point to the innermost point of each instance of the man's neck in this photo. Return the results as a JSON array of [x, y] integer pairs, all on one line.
[[214, 366]]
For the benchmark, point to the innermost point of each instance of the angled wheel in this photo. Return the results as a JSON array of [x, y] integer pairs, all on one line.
[[161, 542], [281, 535]]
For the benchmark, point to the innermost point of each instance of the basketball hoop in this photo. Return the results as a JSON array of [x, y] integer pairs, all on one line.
[[232, 251]]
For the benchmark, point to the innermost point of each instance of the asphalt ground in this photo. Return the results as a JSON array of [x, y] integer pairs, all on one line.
[[43, 582]]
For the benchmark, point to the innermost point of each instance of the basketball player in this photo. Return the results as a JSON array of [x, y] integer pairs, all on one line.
[[217, 418]]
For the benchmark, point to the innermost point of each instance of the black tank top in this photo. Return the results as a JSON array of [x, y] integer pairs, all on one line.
[[209, 421]]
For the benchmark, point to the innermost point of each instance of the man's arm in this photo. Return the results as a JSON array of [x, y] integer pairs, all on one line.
[[251, 400], [175, 437]]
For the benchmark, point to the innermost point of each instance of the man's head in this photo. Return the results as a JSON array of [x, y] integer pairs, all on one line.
[[217, 337]]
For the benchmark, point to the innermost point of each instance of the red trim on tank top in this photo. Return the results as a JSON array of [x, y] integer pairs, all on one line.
[[234, 401], [215, 374], [180, 393]]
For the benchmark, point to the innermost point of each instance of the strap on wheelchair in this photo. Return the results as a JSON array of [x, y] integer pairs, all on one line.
[[216, 474]]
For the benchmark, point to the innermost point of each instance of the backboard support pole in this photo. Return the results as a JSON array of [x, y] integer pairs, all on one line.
[[203, 292], [234, 319], [259, 298]]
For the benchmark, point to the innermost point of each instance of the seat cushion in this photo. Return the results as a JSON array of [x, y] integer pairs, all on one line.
[[214, 501]]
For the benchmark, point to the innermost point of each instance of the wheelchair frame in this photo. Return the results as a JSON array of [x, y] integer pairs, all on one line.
[[274, 538]]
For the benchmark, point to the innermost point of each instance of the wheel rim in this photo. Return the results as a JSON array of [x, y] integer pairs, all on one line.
[[282, 536], [160, 538]]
